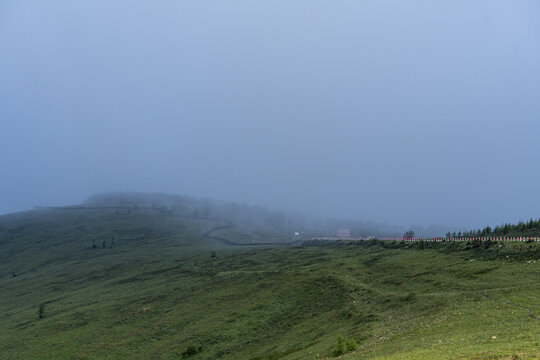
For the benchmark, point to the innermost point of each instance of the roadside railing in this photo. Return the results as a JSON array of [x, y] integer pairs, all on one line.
[[439, 239]]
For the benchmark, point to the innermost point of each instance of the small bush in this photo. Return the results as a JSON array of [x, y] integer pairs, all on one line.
[[344, 346], [350, 345], [191, 350], [340, 347], [41, 311]]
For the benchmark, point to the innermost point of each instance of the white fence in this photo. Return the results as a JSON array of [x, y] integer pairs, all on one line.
[[441, 239]]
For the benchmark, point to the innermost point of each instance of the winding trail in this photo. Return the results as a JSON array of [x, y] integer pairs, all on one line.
[[209, 235]]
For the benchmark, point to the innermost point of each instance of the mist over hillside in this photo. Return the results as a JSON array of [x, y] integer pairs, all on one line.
[[256, 217], [269, 180]]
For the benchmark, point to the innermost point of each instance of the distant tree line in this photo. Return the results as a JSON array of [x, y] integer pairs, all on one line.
[[529, 228]]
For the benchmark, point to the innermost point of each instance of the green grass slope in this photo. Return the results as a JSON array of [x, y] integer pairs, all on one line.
[[162, 291]]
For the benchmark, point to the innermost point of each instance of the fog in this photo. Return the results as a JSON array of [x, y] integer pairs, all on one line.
[[416, 112]]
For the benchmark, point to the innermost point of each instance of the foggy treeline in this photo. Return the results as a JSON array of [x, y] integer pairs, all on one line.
[[253, 217]]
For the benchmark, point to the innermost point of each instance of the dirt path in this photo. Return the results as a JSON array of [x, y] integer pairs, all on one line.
[[209, 235]]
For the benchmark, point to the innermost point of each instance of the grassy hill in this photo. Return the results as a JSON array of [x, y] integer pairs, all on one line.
[[153, 287]]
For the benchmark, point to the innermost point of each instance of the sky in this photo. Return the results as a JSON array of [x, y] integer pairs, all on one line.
[[416, 112]]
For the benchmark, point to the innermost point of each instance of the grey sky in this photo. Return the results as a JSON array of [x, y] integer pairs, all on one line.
[[410, 112]]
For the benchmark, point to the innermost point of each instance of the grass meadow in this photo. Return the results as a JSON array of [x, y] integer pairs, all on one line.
[[123, 284]]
